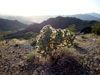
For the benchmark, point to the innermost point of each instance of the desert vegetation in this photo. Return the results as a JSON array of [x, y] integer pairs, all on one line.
[[52, 52], [49, 37], [96, 28], [54, 39]]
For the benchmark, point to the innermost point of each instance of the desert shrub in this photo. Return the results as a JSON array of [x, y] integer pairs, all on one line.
[[0, 54], [76, 43], [33, 43], [0, 59], [1, 38], [96, 28], [21, 39], [31, 56], [82, 36], [72, 28], [50, 40]]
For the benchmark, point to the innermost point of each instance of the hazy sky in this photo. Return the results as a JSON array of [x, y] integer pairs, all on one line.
[[48, 7]]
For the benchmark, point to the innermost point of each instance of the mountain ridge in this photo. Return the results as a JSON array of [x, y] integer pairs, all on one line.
[[86, 17], [39, 19], [11, 25], [60, 22]]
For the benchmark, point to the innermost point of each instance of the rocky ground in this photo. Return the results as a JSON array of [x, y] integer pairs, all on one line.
[[85, 59]]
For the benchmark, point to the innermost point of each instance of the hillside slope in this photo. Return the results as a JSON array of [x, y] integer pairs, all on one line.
[[88, 17], [10, 25], [83, 59], [60, 22]]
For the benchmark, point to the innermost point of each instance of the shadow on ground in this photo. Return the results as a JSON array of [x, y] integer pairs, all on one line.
[[81, 50]]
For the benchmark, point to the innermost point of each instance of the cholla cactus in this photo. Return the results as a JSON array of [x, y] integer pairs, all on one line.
[[50, 39]]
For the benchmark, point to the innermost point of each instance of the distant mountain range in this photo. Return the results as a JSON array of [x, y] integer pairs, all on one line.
[[38, 19], [19, 18], [89, 16], [26, 19], [95, 15], [11, 25], [58, 22]]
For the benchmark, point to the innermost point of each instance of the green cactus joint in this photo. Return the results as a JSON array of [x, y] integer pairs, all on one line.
[[50, 39]]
